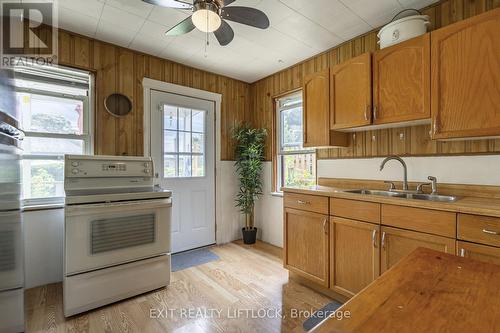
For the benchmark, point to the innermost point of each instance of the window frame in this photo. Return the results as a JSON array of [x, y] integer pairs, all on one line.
[[87, 136], [278, 153]]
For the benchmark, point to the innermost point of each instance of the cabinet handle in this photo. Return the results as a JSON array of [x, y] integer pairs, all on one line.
[[491, 232], [302, 202], [375, 111], [367, 108], [462, 252], [374, 235], [383, 240], [324, 226], [435, 126]]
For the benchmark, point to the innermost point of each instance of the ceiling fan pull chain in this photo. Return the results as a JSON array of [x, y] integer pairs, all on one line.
[[208, 40], [206, 44]]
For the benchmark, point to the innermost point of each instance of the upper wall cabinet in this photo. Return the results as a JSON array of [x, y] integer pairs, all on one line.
[[465, 89], [401, 82], [316, 113], [351, 93], [316, 108]]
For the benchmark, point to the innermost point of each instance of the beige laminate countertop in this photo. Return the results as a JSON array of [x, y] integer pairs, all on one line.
[[466, 205]]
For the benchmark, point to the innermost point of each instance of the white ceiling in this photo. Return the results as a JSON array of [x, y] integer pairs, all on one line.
[[299, 29]]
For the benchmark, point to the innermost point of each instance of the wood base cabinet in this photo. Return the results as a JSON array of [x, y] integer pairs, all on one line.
[[306, 244], [398, 243], [479, 252], [354, 255]]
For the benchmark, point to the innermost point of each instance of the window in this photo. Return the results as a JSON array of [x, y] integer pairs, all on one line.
[[54, 108], [295, 165], [183, 142]]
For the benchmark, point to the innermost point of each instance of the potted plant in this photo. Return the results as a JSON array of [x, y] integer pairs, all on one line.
[[250, 143]]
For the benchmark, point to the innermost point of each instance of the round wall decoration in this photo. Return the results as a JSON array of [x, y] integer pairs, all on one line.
[[118, 105]]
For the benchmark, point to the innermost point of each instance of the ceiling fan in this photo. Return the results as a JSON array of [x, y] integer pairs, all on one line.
[[210, 15]]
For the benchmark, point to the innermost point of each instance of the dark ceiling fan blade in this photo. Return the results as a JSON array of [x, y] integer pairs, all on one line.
[[170, 4], [182, 28], [228, 2], [246, 15], [224, 34]]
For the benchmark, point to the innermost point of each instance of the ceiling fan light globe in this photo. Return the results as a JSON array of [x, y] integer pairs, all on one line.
[[206, 20]]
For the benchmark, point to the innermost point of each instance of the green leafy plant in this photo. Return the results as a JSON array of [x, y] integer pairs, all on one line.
[[249, 151]]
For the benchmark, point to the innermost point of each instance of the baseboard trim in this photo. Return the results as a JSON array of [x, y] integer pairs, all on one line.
[[314, 286]]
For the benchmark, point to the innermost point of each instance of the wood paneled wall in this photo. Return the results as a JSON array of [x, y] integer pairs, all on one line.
[[121, 70], [408, 141]]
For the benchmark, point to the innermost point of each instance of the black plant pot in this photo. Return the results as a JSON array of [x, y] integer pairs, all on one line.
[[249, 235]]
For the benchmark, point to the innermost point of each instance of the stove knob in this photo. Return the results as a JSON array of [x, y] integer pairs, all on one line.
[[146, 170], [75, 163], [146, 165], [74, 171]]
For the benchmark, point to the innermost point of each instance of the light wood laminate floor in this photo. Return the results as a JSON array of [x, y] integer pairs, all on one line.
[[245, 282]]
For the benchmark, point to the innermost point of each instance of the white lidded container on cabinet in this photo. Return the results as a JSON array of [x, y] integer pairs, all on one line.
[[403, 29]]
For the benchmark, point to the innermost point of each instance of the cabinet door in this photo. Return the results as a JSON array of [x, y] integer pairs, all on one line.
[[316, 109], [398, 243], [306, 244], [354, 255], [351, 93], [479, 252], [401, 81], [465, 88]]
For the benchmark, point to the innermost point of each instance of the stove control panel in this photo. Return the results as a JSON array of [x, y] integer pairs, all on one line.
[[114, 167], [107, 166]]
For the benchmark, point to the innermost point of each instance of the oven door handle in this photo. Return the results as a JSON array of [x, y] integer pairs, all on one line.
[[144, 204]]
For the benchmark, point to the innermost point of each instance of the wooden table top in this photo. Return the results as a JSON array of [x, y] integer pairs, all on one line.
[[427, 291]]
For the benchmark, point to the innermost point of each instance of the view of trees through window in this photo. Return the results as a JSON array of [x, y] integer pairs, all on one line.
[[292, 128], [48, 115], [299, 170], [45, 176], [296, 165], [53, 118]]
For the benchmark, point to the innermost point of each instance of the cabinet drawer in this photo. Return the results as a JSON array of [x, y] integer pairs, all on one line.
[[424, 220], [479, 252], [396, 244], [356, 210], [479, 229], [311, 203]]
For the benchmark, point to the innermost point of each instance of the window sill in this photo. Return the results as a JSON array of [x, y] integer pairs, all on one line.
[[28, 207], [277, 194]]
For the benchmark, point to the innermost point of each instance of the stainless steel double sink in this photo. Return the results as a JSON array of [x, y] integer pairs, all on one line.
[[403, 195]]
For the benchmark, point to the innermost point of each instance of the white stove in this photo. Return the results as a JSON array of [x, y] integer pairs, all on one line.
[[117, 231]]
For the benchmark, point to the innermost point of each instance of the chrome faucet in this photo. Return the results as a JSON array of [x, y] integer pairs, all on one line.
[[434, 185], [405, 175]]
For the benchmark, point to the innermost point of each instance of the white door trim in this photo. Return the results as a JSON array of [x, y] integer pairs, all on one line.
[[149, 85]]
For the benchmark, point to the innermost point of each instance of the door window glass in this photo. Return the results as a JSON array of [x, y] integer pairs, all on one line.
[[183, 142]]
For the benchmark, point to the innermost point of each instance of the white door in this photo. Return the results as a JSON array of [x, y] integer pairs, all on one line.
[[183, 149]]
